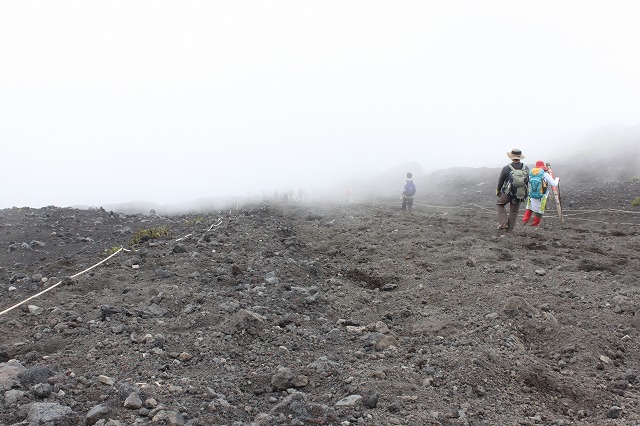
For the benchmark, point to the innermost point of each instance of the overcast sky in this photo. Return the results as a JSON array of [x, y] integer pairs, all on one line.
[[109, 101]]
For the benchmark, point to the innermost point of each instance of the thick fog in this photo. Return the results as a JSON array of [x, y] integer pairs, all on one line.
[[165, 101]]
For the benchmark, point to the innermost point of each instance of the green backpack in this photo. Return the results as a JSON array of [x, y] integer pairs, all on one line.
[[516, 184]]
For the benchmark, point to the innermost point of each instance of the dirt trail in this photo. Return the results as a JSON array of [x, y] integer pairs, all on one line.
[[337, 314]]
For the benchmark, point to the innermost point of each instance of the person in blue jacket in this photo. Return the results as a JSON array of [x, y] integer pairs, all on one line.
[[408, 192]]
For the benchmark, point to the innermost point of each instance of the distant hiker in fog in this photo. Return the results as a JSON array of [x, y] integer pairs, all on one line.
[[512, 190], [347, 194], [408, 191], [539, 182]]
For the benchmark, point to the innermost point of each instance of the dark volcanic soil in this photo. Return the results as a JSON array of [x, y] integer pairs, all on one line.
[[282, 311]]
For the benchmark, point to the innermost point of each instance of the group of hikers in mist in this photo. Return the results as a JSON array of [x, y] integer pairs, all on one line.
[[517, 184]]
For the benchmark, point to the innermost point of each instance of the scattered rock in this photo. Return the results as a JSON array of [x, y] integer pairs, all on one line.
[[51, 413], [386, 342], [518, 305], [41, 390], [349, 401], [133, 401], [10, 371], [180, 248], [36, 374], [13, 396], [243, 321], [163, 273], [614, 412], [271, 278], [377, 317], [35, 310], [371, 401], [106, 380], [97, 412]]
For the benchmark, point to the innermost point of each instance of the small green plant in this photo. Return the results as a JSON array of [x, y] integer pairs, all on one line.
[[110, 251], [636, 202], [149, 234], [195, 221]]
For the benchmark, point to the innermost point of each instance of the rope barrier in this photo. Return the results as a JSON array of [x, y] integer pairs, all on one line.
[[210, 228], [580, 212], [216, 225], [90, 268], [604, 221], [474, 206], [182, 238], [569, 216], [60, 282]]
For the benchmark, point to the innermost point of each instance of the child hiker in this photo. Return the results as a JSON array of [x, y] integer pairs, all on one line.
[[539, 182]]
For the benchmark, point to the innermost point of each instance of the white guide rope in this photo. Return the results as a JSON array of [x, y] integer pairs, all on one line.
[[60, 282], [87, 270]]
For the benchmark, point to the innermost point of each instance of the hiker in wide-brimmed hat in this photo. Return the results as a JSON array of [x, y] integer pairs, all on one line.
[[512, 190], [539, 181], [515, 154]]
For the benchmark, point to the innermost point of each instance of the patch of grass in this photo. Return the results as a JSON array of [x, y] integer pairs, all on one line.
[[149, 234], [110, 251], [195, 221], [636, 202]]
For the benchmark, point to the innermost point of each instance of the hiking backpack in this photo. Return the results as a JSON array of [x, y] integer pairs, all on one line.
[[409, 189], [537, 184], [516, 184]]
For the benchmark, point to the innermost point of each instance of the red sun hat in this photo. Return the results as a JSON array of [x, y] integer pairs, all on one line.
[[541, 165]]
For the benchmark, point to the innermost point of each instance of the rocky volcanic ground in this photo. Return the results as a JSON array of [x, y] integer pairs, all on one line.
[[333, 313]]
